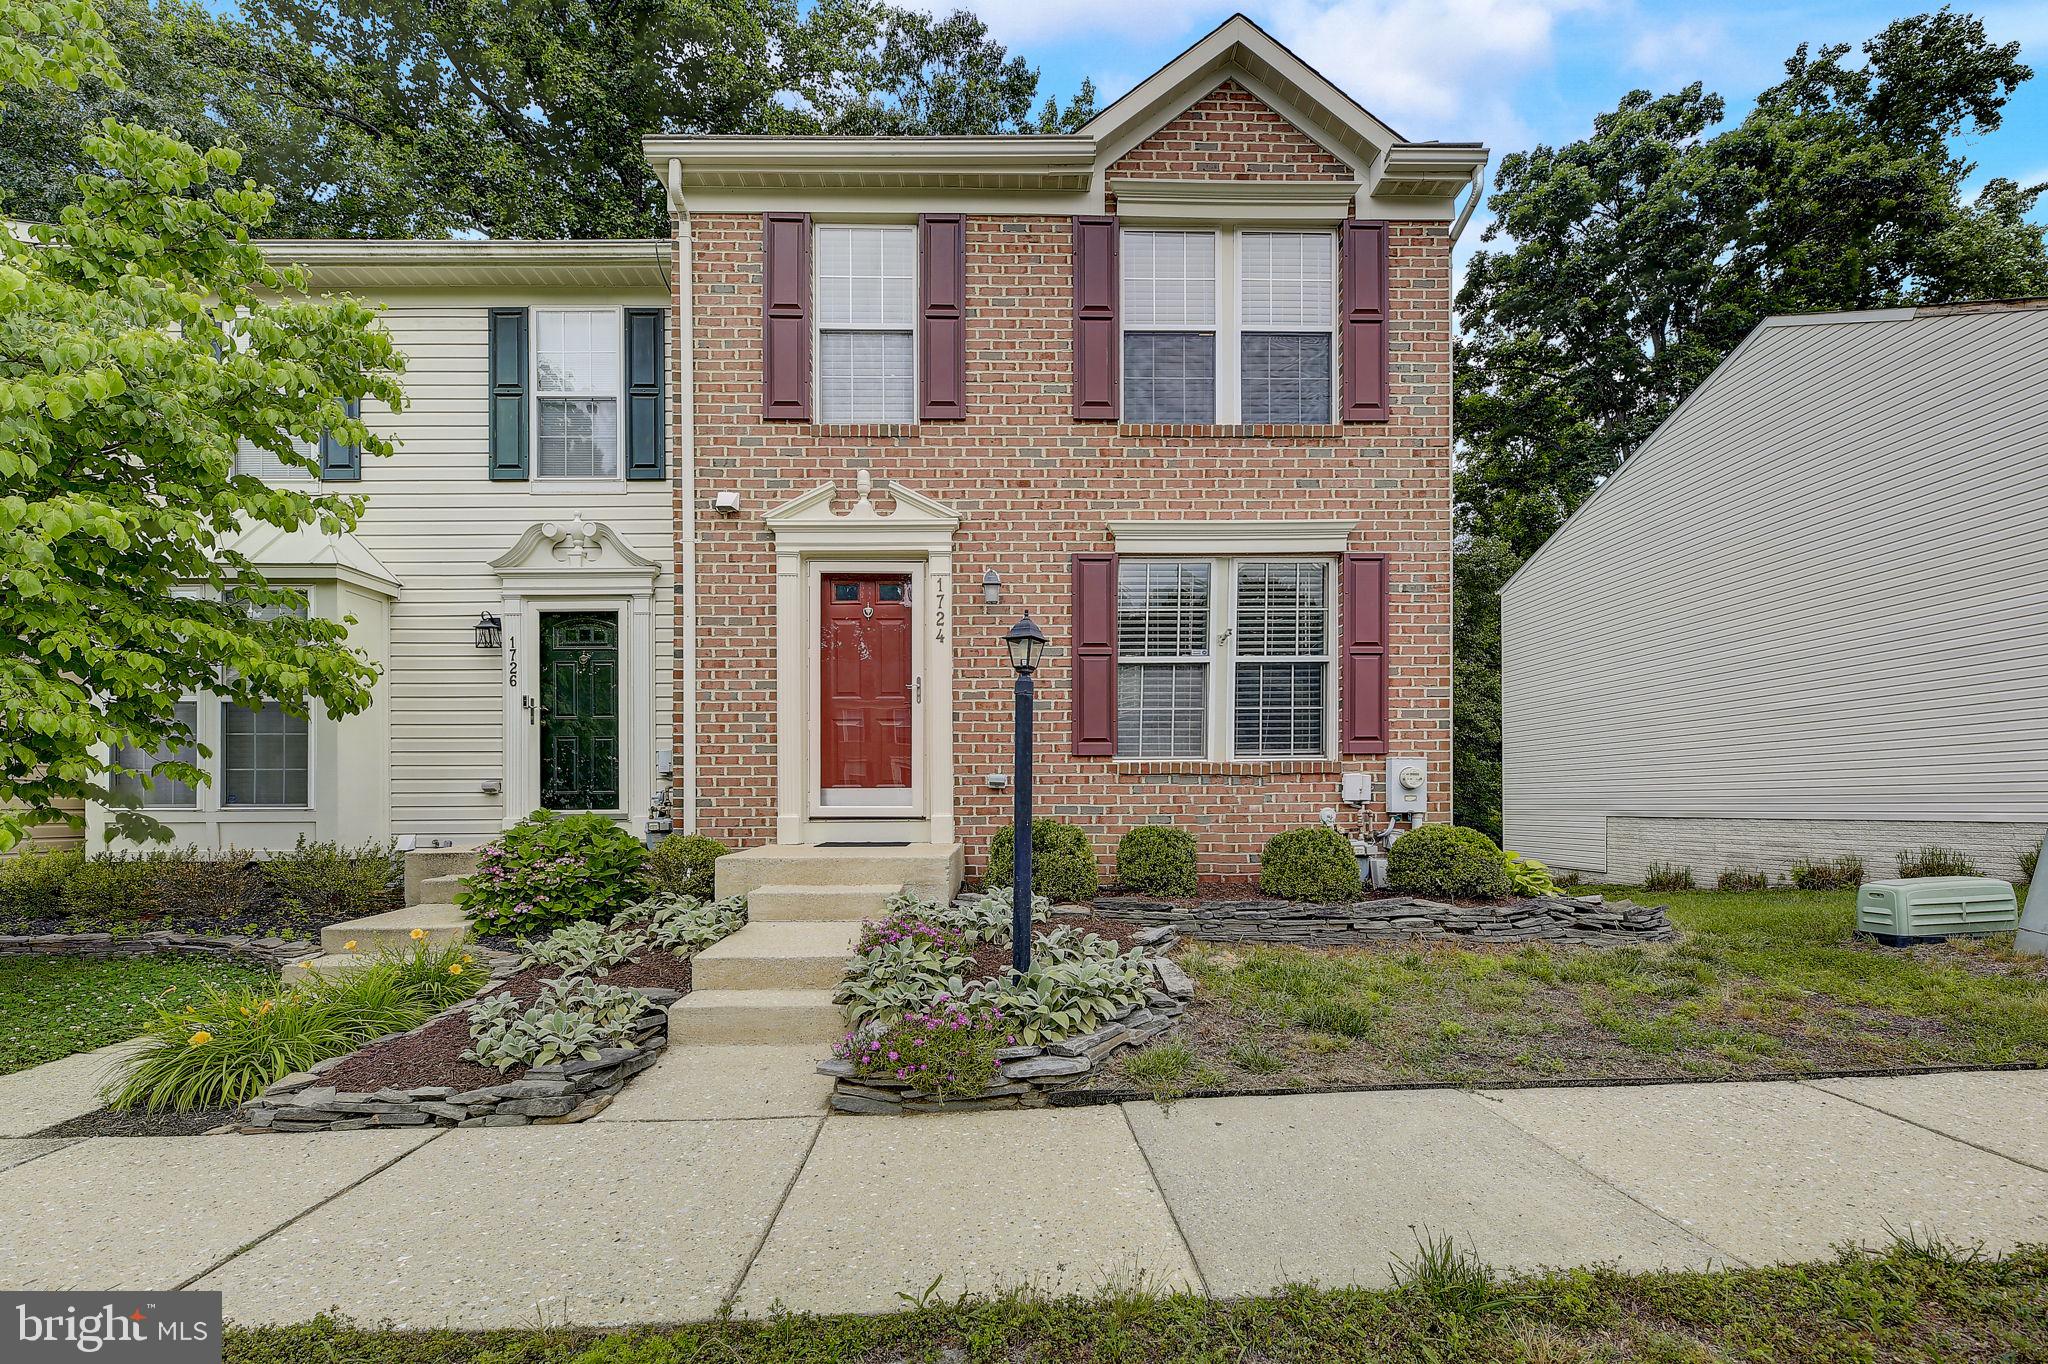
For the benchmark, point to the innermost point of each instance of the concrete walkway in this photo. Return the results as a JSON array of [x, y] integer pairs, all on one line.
[[656, 1213]]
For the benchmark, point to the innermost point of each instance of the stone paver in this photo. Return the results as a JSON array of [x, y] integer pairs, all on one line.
[[2002, 1111], [57, 1091], [153, 1212], [595, 1224], [1056, 1199], [725, 1082], [1777, 1172], [14, 1152], [1335, 1188]]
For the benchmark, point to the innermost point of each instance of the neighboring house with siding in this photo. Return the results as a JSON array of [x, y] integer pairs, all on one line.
[[1809, 616], [530, 483], [1177, 383], [1180, 381]]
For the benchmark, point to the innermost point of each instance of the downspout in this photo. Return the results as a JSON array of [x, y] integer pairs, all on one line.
[[686, 485], [1471, 202]]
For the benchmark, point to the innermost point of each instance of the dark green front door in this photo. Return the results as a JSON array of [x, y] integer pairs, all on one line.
[[579, 711]]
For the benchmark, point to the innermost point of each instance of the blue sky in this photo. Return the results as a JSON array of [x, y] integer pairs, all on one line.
[[1511, 73]]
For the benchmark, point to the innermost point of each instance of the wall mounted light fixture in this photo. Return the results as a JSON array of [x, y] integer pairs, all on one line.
[[992, 587], [490, 631]]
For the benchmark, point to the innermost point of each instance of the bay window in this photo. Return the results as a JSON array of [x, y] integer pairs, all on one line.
[[161, 793], [866, 302], [1223, 658], [1231, 326]]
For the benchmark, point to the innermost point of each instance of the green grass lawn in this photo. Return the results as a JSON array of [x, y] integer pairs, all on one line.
[[51, 1007], [1764, 983], [1909, 1303]]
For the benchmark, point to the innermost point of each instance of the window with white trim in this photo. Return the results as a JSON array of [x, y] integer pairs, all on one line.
[[1224, 657], [865, 295], [260, 754], [576, 375], [272, 468], [1229, 325]]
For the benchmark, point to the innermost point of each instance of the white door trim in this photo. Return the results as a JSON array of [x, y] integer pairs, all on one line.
[[912, 806], [811, 539]]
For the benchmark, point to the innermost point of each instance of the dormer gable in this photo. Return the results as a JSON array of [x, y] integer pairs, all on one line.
[[1230, 134]]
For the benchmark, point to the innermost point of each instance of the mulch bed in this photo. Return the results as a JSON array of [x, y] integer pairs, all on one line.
[[108, 1122], [433, 1055]]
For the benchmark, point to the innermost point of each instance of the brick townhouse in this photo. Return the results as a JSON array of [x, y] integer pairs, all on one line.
[[1177, 384]]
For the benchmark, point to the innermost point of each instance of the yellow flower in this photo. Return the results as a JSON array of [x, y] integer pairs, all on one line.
[[418, 933], [264, 1007], [467, 957], [200, 1039], [349, 946], [454, 968], [245, 1011]]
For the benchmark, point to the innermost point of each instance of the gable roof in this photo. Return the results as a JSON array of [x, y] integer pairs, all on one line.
[[1792, 365], [1064, 172]]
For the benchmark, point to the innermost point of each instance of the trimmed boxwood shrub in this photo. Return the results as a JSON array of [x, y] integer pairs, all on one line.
[[549, 870], [1062, 861], [1315, 863], [686, 864], [1156, 859], [1449, 862]]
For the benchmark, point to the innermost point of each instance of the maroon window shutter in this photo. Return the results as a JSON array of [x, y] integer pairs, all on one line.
[[942, 317], [1363, 312], [1095, 655], [1096, 286], [786, 316], [1363, 687]]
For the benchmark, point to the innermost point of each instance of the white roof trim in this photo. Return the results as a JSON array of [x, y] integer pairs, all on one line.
[[1232, 537], [428, 263], [310, 552]]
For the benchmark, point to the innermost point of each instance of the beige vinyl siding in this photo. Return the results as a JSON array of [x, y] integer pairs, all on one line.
[[436, 520], [1818, 593], [55, 834]]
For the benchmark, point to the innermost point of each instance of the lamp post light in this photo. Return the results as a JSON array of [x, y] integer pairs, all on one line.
[[1026, 642]]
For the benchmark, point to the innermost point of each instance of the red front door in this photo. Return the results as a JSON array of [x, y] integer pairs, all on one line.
[[866, 681]]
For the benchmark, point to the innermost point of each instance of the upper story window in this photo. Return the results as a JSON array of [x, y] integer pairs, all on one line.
[[866, 299], [1229, 326], [271, 468], [576, 388]]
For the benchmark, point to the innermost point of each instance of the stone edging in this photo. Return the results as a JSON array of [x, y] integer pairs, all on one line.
[[569, 1091], [1031, 1076], [1589, 920], [273, 952]]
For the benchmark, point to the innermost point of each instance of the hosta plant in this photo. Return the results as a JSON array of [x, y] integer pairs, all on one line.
[[947, 1051], [1527, 876], [683, 923], [549, 870], [572, 1017], [583, 949]]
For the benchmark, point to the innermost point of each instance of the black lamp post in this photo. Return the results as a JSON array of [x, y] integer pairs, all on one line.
[[1026, 643]]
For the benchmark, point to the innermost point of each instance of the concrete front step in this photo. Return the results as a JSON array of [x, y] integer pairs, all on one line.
[[931, 870], [392, 930], [332, 964], [755, 1018], [818, 904], [776, 956], [428, 864], [440, 890]]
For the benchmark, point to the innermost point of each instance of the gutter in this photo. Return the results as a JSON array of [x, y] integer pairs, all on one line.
[[1471, 202]]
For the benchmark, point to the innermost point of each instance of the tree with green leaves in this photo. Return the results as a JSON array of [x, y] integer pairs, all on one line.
[[514, 118], [143, 341], [1631, 262]]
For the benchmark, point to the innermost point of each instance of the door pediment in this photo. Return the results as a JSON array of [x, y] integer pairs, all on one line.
[[571, 548], [807, 521]]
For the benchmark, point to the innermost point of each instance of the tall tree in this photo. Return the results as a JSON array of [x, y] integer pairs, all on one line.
[[1631, 262], [143, 341]]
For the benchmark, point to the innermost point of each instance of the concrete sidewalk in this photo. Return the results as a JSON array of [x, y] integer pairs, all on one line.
[[670, 1218]]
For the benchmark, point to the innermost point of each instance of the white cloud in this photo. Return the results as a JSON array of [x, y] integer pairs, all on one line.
[[1029, 21], [1680, 49]]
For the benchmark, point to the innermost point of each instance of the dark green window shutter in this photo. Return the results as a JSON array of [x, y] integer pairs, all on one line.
[[508, 393], [341, 463], [644, 446]]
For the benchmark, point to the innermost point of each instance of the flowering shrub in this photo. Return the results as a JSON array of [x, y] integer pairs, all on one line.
[[683, 923], [572, 1016], [550, 870], [947, 1051]]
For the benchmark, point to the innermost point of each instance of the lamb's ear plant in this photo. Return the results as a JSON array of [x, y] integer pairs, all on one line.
[[572, 1017], [583, 949], [683, 923]]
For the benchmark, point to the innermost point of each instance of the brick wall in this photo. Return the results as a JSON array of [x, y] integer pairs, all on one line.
[[1035, 487], [1229, 134]]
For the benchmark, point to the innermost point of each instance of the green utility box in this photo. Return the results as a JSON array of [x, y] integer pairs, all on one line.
[[1929, 908]]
